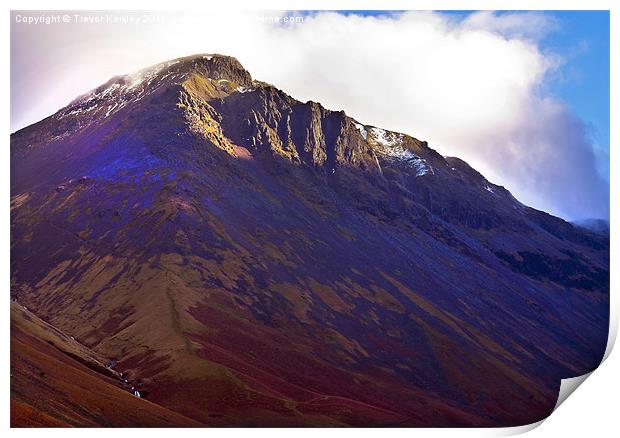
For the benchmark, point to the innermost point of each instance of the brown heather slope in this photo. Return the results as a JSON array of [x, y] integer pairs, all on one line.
[[57, 382], [249, 259]]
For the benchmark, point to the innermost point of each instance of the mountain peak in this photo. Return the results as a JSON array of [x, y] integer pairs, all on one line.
[[214, 66]]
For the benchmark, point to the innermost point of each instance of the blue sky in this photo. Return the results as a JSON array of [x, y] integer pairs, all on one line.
[[582, 39]]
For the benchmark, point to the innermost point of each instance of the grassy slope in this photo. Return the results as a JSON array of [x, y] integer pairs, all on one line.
[[57, 382]]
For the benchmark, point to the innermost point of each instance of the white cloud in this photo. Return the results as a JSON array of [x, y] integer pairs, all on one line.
[[524, 25], [470, 87]]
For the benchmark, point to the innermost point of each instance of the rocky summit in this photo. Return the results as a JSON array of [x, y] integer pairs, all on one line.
[[197, 247]]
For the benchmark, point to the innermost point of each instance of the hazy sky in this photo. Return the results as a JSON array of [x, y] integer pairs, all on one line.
[[523, 97]]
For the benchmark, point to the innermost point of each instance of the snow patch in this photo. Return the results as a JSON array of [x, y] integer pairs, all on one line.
[[148, 74], [108, 90], [110, 109], [362, 130], [80, 110], [390, 145], [122, 91], [386, 138]]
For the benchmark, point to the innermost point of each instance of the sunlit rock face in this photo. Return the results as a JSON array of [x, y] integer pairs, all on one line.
[[255, 260]]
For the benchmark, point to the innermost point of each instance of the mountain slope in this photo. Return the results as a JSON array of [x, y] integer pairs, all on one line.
[[57, 382], [261, 261]]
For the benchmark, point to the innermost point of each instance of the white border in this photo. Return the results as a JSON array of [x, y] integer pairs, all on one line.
[[592, 411]]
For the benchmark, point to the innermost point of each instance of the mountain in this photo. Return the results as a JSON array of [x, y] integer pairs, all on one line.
[[251, 260], [600, 226]]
